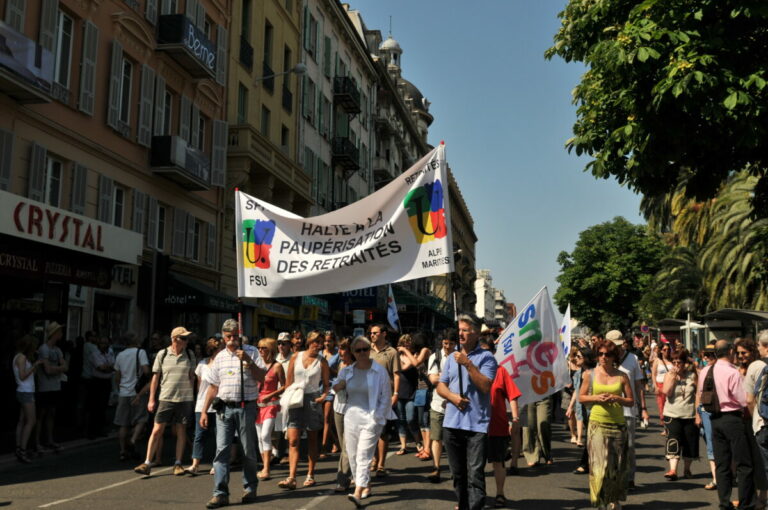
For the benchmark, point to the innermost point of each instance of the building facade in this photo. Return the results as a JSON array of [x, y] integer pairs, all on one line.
[[484, 291]]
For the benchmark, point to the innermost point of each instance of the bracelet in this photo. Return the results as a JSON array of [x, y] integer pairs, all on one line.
[[515, 418]]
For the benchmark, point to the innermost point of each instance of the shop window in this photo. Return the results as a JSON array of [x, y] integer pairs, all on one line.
[[53, 182]]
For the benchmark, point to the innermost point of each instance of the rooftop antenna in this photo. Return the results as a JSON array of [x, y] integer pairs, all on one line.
[[390, 26]]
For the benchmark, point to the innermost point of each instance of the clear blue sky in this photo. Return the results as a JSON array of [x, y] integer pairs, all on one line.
[[505, 113]]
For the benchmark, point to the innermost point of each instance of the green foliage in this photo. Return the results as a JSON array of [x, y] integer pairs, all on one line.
[[607, 273], [675, 90]]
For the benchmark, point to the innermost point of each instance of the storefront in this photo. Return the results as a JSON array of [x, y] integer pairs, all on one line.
[[271, 317], [195, 305]]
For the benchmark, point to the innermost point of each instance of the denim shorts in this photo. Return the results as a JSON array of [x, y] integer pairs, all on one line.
[[25, 397], [307, 417]]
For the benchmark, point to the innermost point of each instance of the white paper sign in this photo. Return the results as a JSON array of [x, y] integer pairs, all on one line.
[[399, 233]]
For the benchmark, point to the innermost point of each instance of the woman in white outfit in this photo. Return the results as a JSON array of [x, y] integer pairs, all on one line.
[[369, 406]]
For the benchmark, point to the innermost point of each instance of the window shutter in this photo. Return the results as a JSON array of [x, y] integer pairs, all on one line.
[[186, 106], [221, 55], [145, 106], [36, 184], [49, 13], [219, 154], [311, 168], [88, 68], [14, 14], [327, 57], [304, 87], [159, 105], [113, 112], [190, 251], [179, 232], [210, 252], [151, 12], [200, 16], [79, 182], [106, 190], [306, 28], [191, 10], [320, 111], [139, 211], [165, 7], [152, 223], [6, 158], [194, 138]]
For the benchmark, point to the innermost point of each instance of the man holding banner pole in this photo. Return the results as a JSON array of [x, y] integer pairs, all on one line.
[[465, 384]]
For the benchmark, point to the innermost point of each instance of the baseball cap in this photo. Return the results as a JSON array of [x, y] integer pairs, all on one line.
[[180, 331], [284, 337], [615, 336]]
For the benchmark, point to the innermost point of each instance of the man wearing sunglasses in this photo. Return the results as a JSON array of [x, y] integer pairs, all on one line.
[[385, 355]]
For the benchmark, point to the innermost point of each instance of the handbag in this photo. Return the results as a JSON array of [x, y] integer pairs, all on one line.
[[293, 397]]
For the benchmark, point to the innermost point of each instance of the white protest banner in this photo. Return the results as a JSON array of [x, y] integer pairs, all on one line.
[[529, 348], [398, 233], [565, 332]]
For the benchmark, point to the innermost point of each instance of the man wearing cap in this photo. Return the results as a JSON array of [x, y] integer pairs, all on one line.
[[174, 372], [49, 383], [628, 364], [234, 376]]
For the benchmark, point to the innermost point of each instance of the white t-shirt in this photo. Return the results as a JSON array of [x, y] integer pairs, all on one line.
[[753, 372], [201, 371], [125, 363], [631, 367], [438, 402]]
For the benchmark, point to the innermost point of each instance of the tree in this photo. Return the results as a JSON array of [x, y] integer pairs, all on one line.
[[608, 272], [675, 90], [680, 278]]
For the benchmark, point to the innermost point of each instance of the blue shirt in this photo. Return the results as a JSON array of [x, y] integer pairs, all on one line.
[[477, 415]]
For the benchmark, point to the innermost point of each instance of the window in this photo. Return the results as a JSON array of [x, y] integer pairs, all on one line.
[[169, 7], [309, 100], [160, 228], [289, 5], [310, 35], [268, 44], [265, 113], [53, 182], [208, 29], [125, 91], [245, 21], [201, 134], [242, 104], [167, 113], [63, 50], [285, 136], [118, 206], [196, 242]]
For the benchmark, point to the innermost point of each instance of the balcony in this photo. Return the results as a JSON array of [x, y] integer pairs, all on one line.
[[383, 124], [287, 99], [184, 165], [382, 173], [187, 44], [344, 154], [26, 68], [269, 83], [345, 94], [246, 53]]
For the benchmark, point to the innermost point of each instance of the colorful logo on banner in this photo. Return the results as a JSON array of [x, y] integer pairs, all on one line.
[[426, 212], [257, 242]]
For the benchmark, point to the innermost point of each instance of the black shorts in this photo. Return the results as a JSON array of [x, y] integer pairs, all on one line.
[[174, 412], [497, 448]]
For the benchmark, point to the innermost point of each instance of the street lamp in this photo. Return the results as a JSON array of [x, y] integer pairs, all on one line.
[[687, 306], [299, 69]]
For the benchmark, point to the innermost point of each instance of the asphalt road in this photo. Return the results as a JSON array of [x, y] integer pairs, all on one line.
[[89, 476]]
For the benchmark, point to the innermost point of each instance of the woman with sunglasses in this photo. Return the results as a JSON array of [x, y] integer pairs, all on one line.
[[682, 434], [607, 390], [369, 406], [268, 401], [660, 368]]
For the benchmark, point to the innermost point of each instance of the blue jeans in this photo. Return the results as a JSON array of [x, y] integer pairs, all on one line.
[[467, 453], [242, 420], [706, 426], [406, 419], [201, 434]]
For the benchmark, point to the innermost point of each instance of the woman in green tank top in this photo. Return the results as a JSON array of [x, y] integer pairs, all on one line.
[[607, 390]]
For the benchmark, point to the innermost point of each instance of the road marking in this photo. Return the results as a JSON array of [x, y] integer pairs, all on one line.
[[94, 491]]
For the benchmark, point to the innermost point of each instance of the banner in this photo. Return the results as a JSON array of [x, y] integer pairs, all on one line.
[[392, 316], [529, 348], [398, 233], [565, 332]]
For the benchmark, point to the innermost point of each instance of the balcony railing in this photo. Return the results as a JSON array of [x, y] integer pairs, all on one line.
[[269, 83], [246, 53], [26, 68], [187, 44], [172, 158], [345, 94], [287, 99], [345, 154]]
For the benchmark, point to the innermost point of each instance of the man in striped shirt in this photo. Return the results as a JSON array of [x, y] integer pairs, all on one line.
[[233, 376]]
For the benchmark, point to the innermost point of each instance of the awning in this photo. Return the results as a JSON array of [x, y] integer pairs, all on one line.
[[736, 314], [188, 293]]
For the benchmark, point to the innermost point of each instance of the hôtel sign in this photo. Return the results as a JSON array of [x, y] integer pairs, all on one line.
[[36, 221]]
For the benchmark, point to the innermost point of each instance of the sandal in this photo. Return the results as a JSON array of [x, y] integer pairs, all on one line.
[[309, 482], [401, 451], [191, 471], [710, 486], [366, 493], [287, 484], [499, 501], [381, 471], [262, 477]]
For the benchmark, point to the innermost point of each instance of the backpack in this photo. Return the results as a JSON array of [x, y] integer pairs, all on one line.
[[709, 400], [761, 384]]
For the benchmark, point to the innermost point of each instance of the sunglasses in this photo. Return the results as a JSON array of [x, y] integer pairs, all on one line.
[[362, 349], [601, 354], [263, 348]]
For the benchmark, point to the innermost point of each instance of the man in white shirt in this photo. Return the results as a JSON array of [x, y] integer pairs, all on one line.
[[131, 364], [629, 365], [759, 428], [435, 364]]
